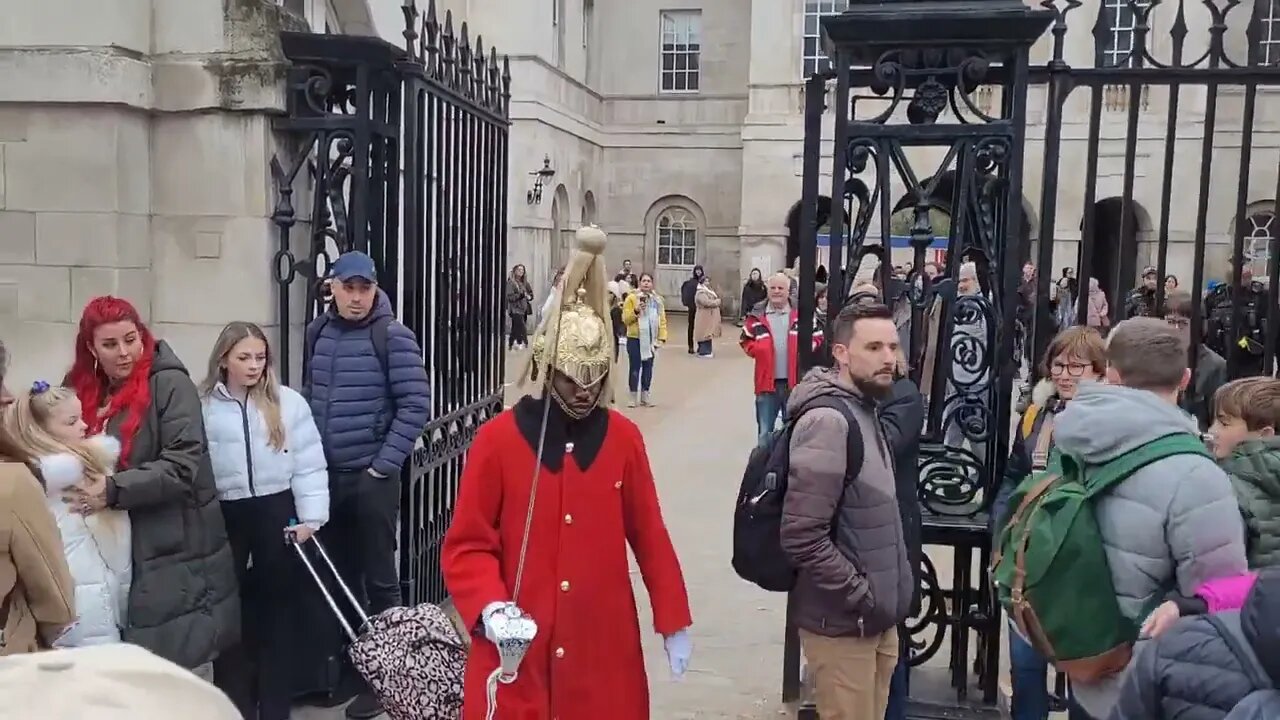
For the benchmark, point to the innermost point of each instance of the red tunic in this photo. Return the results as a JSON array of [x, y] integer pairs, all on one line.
[[586, 662]]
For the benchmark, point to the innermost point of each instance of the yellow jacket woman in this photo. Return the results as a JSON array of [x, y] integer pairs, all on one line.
[[631, 315], [646, 321]]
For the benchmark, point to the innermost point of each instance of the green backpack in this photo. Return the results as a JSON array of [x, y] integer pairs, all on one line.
[[1050, 567]]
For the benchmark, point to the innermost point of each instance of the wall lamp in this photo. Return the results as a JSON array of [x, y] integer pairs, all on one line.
[[541, 176]]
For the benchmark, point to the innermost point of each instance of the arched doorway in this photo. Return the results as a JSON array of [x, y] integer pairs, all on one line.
[[561, 233], [589, 208], [940, 203], [1114, 258], [823, 220]]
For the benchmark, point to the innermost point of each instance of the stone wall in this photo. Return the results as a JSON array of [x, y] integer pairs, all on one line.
[[134, 146]]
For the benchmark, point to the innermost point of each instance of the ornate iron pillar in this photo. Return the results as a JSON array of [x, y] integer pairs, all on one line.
[[917, 143]]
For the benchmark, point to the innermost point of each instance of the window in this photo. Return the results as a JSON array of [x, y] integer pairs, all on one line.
[[1119, 18], [1269, 39], [1262, 230], [557, 24], [677, 239], [814, 60], [681, 50]]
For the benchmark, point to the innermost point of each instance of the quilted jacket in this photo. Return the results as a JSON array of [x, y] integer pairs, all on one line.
[[368, 419], [1169, 526], [98, 549], [1254, 468], [1192, 673], [245, 465]]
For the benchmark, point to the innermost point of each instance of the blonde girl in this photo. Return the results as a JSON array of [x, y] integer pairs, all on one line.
[[46, 423], [272, 479]]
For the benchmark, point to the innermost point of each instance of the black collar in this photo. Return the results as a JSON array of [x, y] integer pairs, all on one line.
[[587, 434]]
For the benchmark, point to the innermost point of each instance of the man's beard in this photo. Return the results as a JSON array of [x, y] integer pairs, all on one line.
[[870, 388]]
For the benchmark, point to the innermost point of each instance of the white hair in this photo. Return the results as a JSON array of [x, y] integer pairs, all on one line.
[[969, 270]]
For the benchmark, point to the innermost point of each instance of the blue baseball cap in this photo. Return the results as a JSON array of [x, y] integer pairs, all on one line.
[[354, 264]]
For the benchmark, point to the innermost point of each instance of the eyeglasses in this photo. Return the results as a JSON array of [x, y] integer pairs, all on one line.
[[1071, 369], [1178, 322]]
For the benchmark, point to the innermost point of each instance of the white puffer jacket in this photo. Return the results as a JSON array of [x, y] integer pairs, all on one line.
[[98, 548], [244, 465]]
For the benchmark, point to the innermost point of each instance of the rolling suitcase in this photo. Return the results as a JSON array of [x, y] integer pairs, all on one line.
[[411, 657]]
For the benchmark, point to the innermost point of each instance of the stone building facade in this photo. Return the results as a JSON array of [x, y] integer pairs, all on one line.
[[135, 137]]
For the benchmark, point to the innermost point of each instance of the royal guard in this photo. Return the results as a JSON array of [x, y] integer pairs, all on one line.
[[548, 541]]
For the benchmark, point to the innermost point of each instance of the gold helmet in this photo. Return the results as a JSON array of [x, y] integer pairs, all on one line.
[[576, 338]]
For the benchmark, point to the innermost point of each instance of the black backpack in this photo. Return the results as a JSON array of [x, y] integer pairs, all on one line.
[[757, 518]]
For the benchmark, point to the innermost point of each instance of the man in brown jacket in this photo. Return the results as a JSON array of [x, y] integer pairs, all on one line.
[[841, 526]]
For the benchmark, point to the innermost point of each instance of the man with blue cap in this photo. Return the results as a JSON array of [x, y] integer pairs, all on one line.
[[370, 395]]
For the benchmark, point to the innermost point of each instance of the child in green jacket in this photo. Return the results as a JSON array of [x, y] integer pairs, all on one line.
[[1243, 436]]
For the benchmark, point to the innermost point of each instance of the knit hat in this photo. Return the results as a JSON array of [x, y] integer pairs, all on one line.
[[106, 682]]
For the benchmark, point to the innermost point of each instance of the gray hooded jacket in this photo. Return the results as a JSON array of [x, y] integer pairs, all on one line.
[[1170, 526]]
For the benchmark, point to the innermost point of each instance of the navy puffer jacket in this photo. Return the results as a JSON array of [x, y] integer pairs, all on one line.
[[367, 420], [1191, 673]]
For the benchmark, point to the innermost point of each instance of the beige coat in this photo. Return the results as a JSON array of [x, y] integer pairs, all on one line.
[[706, 324], [35, 582]]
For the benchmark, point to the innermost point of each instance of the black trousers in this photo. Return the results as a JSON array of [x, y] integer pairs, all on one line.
[[519, 330], [693, 312], [364, 518], [255, 674]]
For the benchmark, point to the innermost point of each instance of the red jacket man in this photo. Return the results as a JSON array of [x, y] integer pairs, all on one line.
[[770, 329], [595, 496]]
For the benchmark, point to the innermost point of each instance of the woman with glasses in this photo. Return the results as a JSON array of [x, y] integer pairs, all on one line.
[[1076, 355]]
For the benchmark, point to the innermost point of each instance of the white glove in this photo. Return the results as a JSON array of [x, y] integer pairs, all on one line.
[[488, 617], [679, 647]]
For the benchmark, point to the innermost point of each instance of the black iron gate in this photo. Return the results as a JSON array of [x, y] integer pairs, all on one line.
[[404, 153], [931, 101]]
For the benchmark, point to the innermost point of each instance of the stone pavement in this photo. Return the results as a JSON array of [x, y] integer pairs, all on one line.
[[697, 438]]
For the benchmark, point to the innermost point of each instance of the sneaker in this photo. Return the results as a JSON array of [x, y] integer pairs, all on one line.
[[632, 402], [364, 707], [646, 400]]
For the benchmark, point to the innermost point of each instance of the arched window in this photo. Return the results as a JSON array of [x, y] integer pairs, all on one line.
[[1262, 229], [677, 233]]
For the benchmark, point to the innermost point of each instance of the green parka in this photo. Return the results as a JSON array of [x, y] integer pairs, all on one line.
[[1254, 468]]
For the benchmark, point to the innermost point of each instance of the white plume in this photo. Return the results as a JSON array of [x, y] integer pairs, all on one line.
[[60, 472], [106, 448]]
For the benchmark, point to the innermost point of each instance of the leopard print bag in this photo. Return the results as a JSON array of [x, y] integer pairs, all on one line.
[[413, 660], [412, 657]]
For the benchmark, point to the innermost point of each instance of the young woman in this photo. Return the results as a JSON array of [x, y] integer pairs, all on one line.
[[46, 422], [706, 321], [272, 479], [753, 293], [35, 582], [182, 602], [1099, 312], [519, 307], [646, 320], [1076, 355]]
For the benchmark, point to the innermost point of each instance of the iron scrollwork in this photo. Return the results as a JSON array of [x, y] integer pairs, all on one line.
[[930, 80], [361, 116]]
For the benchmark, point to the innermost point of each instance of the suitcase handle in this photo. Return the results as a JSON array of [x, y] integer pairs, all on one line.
[[292, 538]]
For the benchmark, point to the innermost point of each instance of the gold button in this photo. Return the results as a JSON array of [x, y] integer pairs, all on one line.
[[564, 586], [617, 485], [568, 519], [559, 652]]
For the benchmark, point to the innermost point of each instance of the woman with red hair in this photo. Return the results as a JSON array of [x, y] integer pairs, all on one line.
[[182, 604]]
